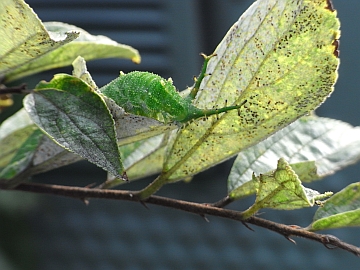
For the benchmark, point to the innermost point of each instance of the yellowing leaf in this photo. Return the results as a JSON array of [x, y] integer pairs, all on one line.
[[23, 36], [281, 57]]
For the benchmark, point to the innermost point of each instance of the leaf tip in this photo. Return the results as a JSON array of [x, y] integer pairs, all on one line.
[[136, 59]]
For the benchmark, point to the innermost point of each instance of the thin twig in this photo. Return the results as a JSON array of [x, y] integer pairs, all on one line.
[[196, 208], [19, 89]]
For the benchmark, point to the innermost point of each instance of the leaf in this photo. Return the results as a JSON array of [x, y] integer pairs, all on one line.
[[17, 121], [88, 46], [281, 57], [14, 131], [24, 37], [80, 71], [131, 128], [50, 155], [144, 158], [18, 137], [330, 144], [304, 170], [77, 118], [17, 152], [140, 159], [282, 189], [341, 210]]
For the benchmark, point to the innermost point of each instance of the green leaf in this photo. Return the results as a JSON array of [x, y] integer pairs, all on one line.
[[341, 210], [278, 60], [282, 189], [24, 37], [330, 144], [88, 46], [77, 118]]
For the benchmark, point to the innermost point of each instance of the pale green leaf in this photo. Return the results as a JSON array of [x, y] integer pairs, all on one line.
[[48, 155], [17, 121], [17, 151], [18, 137], [330, 144], [281, 57], [88, 46], [77, 118], [341, 210], [282, 189], [80, 71], [23, 36], [131, 128], [140, 159]]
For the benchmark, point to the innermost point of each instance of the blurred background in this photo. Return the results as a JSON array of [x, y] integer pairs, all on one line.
[[48, 232]]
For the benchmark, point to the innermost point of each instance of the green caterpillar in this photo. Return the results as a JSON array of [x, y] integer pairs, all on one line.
[[147, 94]]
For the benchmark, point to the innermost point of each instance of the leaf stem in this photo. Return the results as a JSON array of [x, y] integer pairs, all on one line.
[[152, 188], [251, 211], [199, 79]]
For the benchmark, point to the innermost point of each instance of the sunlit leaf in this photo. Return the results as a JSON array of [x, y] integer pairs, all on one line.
[[23, 36], [77, 118], [281, 57], [330, 144], [282, 189], [88, 46], [341, 210]]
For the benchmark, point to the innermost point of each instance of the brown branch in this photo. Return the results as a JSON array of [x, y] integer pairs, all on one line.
[[287, 231]]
